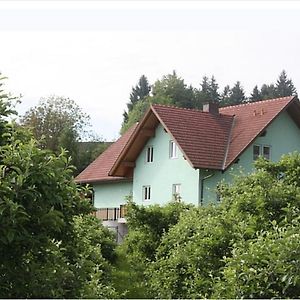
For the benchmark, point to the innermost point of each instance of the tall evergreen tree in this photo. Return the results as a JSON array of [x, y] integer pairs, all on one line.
[[237, 94], [213, 90], [268, 91], [255, 95], [233, 96], [284, 86], [208, 91], [225, 96], [139, 92]]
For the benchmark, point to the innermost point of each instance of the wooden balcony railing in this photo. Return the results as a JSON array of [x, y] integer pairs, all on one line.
[[111, 214]]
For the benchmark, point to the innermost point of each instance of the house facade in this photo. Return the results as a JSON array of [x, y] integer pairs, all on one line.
[[175, 152]]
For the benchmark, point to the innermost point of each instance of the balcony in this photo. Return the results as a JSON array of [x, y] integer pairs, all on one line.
[[111, 214]]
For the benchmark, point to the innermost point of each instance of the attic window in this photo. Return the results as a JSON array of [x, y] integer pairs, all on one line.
[[149, 154], [173, 150]]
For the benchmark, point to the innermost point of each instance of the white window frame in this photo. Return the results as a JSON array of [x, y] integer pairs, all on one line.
[[261, 151], [176, 188], [149, 154], [176, 191], [173, 150], [146, 196]]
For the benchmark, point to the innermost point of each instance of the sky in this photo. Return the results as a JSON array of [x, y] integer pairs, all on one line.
[[94, 52]]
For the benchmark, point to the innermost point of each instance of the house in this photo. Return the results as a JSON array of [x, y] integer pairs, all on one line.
[[186, 152]]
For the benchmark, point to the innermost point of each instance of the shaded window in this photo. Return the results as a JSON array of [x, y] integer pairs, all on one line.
[[173, 150], [256, 151], [261, 150], [149, 154], [146, 192], [266, 152], [176, 189]]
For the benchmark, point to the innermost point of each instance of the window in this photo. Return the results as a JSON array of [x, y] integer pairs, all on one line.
[[176, 191], [173, 150], [256, 152], [149, 154], [261, 150], [146, 192], [266, 152]]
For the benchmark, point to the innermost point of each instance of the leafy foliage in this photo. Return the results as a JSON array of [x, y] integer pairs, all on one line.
[[246, 247], [172, 90], [146, 226], [58, 122], [50, 245], [264, 267]]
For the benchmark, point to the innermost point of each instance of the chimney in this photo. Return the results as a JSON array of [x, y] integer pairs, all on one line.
[[211, 107]]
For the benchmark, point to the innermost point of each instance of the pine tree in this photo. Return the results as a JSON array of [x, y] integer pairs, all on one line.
[[237, 94], [255, 95], [139, 92], [268, 91], [208, 91], [284, 86], [225, 96]]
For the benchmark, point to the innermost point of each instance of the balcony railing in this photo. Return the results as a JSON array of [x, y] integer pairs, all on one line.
[[111, 214]]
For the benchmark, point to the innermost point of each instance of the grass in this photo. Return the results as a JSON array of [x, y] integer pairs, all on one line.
[[127, 281]]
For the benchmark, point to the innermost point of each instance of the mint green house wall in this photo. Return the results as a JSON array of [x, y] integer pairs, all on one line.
[[283, 136], [163, 172], [111, 194]]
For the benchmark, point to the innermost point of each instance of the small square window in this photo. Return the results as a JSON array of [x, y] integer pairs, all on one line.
[[149, 154], [146, 192], [173, 150]]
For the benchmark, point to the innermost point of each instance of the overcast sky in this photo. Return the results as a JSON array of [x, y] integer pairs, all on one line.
[[95, 51]]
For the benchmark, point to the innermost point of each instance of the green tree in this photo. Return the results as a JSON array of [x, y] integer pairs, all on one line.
[[264, 267], [58, 122], [255, 95], [233, 96], [43, 255], [50, 245], [208, 92], [138, 93], [56, 119], [146, 226], [174, 88], [268, 91], [217, 251], [284, 86], [6, 106], [237, 94]]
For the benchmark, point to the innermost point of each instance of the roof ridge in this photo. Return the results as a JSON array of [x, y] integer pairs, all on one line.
[[256, 102], [181, 108]]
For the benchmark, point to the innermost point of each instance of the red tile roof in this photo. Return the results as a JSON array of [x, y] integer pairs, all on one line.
[[250, 120], [211, 141], [98, 170], [201, 136]]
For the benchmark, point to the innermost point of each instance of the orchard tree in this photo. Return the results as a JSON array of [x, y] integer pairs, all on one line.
[[246, 247], [50, 245], [58, 122]]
